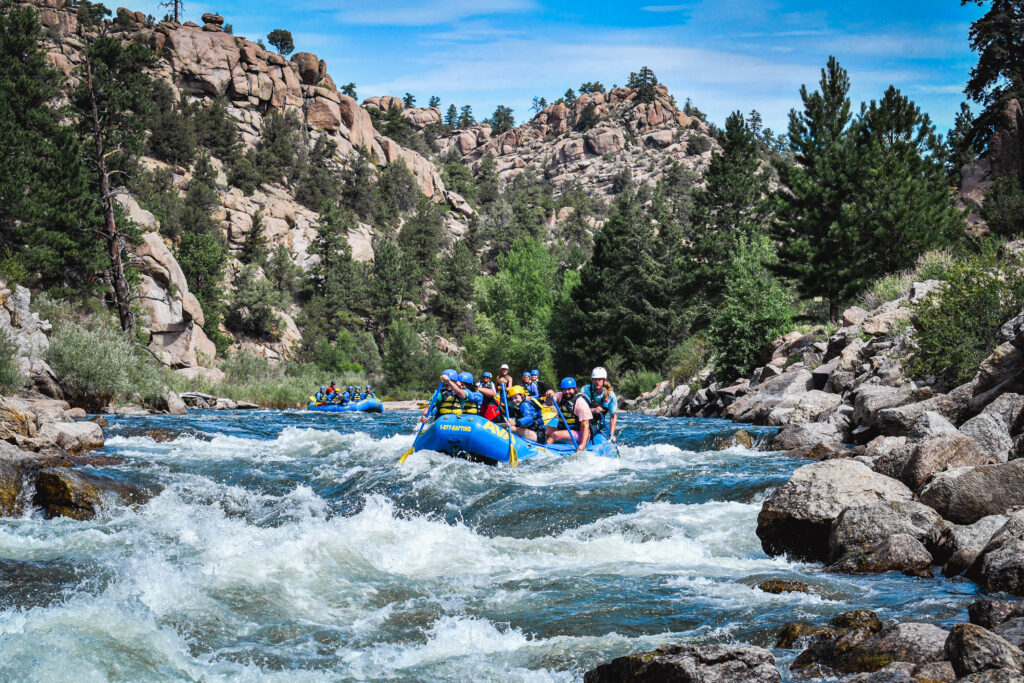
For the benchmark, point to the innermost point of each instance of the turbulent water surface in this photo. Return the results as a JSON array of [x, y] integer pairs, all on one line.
[[289, 545]]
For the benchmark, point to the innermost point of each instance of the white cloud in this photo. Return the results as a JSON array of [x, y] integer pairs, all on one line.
[[411, 13]]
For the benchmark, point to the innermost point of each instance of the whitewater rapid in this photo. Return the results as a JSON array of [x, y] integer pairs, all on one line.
[[289, 545]]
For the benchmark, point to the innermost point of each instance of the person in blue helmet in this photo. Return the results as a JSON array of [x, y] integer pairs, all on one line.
[[528, 385], [321, 395], [490, 408], [440, 397], [575, 412], [369, 392], [542, 387], [470, 400]]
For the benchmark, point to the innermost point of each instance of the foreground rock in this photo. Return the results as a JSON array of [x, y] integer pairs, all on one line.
[[67, 493], [1000, 565], [859, 527], [797, 519], [691, 664], [899, 553], [972, 649], [965, 495]]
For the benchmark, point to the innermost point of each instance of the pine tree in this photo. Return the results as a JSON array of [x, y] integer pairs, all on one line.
[[409, 100], [960, 139], [282, 40], [466, 118], [998, 38], [254, 247], [317, 179], [434, 102], [454, 285], [502, 120], [335, 283], [350, 90], [902, 205], [452, 117], [818, 243], [644, 83], [488, 185], [253, 305], [112, 100], [419, 238], [733, 204], [47, 216], [391, 289]]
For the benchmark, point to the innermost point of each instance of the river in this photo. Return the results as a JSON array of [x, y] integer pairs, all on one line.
[[289, 545]]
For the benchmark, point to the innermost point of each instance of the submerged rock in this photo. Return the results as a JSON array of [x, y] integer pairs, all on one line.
[[691, 664], [797, 519], [777, 586]]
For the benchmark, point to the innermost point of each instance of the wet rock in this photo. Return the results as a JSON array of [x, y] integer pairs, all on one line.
[[162, 435], [862, 526], [777, 586], [690, 664], [1000, 566], [791, 634], [740, 437], [100, 420], [67, 493], [14, 422], [965, 495], [1012, 630], [901, 552], [961, 545], [942, 453], [838, 649], [972, 649], [869, 648], [797, 519], [989, 613]]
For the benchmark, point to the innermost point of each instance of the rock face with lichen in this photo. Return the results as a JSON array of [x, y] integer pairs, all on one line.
[[691, 664]]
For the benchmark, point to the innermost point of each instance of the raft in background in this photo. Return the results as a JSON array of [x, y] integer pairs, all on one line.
[[478, 438], [367, 405]]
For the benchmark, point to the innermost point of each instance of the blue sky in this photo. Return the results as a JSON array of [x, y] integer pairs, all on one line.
[[723, 54]]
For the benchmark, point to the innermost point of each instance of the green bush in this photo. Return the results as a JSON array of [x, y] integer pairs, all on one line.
[[253, 304], [1003, 209], [756, 308], [687, 360], [697, 144], [636, 382], [10, 375], [932, 265], [97, 365], [957, 325]]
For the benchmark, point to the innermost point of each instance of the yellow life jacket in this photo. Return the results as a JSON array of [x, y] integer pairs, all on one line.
[[469, 408], [566, 406], [450, 404]]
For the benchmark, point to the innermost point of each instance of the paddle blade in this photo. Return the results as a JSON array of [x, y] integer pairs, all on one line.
[[513, 459], [401, 461]]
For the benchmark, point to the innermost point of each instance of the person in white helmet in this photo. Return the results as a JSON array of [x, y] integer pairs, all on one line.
[[603, 402], [504, 377]]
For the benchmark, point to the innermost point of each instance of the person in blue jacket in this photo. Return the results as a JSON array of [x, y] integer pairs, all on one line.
[[603, 402], [321, 395], [369, 392], [526, 415]]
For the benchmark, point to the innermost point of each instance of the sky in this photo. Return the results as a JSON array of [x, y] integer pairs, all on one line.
[[725, 55]]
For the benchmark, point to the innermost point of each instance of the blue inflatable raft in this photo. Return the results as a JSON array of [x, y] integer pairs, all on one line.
[[477, 438], [367, 405]]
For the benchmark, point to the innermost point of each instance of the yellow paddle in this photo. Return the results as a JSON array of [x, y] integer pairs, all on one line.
[[401, 461]]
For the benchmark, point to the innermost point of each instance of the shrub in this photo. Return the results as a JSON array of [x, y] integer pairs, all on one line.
[[755, 310], [10, 375], [407, 365], [687, 360], [99, 364], [1003, 209], [697, 144], [957, 325], [932, 265], [636, 382]]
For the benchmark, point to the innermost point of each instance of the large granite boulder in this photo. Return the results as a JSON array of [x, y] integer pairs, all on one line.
[[941, 453], [967, 494], [995, 429], [1000, 565], [797, 519], [772, 401], [961, 544], [899, 553], [691, 664], [972, 649], [806, 435], [862, 526]]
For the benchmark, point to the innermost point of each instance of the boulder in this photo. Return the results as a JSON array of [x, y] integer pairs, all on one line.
[[1013, 331], [798, 518], [965, 495], [854, 316], [972, 649], [886, 322], [929, 425], [961, 544], [806, 435], [309, 67], [690, 664], [777, 586], [1012, 630], [837, 648], [1000, 566], [872, 399], [996, 426], [909, 642], [941, 453], [862, 526], [1002, 368], [758, 405], [73, 437], [901, 552], [989, 613], [65, 492]]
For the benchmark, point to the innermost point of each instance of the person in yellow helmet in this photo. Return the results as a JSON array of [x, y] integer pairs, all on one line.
[[526, 415]]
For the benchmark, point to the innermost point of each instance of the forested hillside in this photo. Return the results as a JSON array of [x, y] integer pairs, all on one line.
[[226, 207]]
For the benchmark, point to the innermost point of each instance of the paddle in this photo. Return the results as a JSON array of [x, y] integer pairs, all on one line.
[[513, 460], [565, 424], [401, 461]]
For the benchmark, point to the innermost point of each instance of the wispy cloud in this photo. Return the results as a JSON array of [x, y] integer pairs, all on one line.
[[666, 8], [409, 13]]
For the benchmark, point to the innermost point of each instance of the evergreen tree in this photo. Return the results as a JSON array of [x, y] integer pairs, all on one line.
[[734, 203], [488, 185], [397, 192], [962, 149], [621, 306], [409, 100], [47, 215], [217, 132], [317, 179], [350, 90], [644, 83], [278, 150], [176, 7], [454, 284], [466, 118], [112, 100], [998, 38], [434, 102], [335, 283], [253, 305], [818, 243], [282, 40], [459, 178], [502, 120], [254, 247], [419, 239], [452, 117], [538, 105], [569, 96], [902, 204], [172, 136], [358, 191], [391, 290]]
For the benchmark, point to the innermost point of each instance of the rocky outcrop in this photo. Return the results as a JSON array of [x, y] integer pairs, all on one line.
[[691, 664], [797, 519], [30, 335], [591, 141]]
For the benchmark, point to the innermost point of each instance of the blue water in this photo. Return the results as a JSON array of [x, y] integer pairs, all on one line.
[[290, 545]]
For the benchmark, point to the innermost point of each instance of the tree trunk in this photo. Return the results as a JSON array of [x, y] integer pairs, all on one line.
[[115, 241]]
